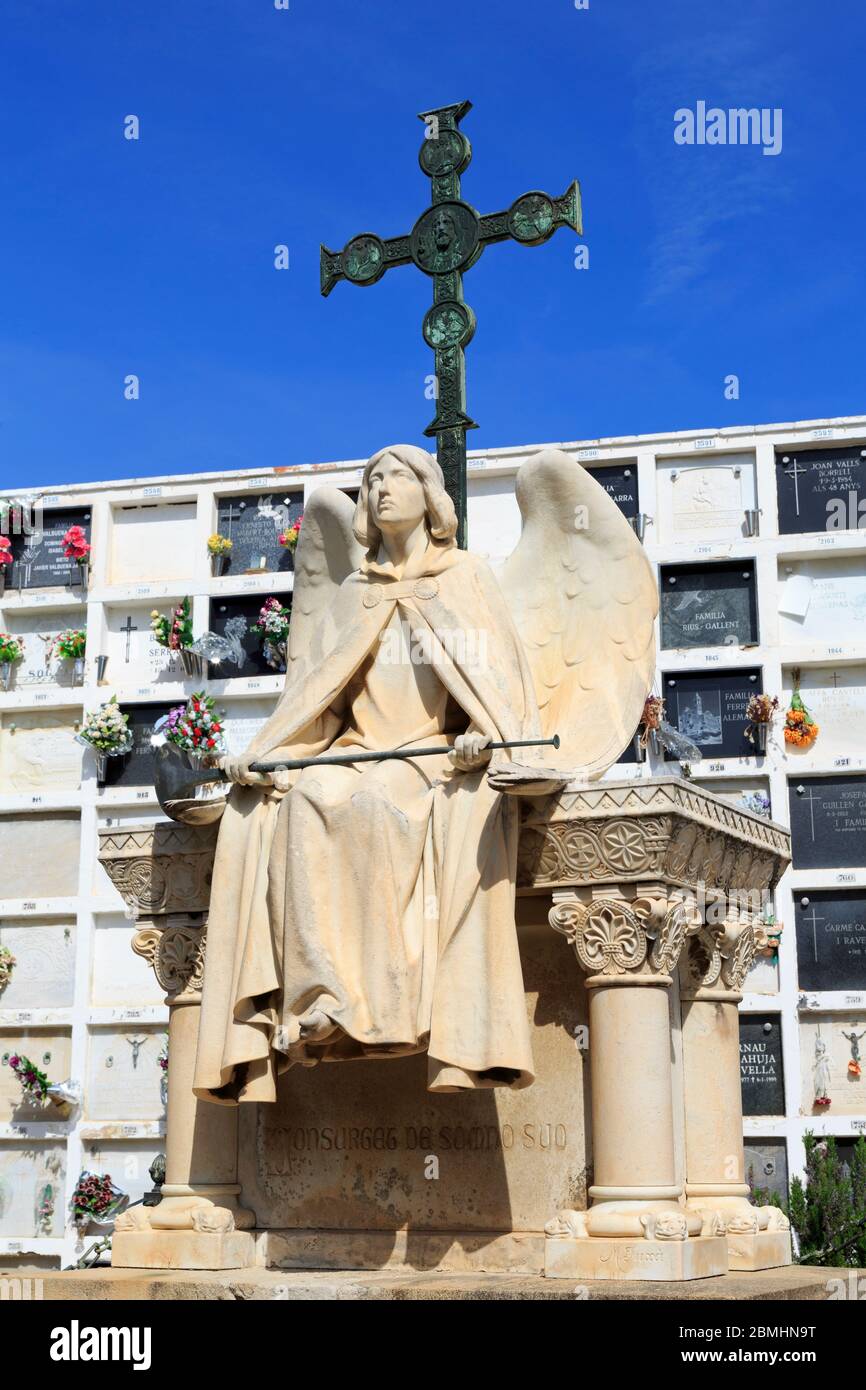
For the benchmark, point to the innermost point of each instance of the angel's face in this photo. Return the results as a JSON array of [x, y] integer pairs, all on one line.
[[395, 495]]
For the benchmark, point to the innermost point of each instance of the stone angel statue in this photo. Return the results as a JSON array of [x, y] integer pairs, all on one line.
[[367, 910]]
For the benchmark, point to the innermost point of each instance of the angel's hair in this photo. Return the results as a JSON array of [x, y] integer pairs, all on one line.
[[441, 516]]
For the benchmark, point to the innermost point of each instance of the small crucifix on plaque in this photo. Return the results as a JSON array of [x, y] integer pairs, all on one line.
[[129, 629]]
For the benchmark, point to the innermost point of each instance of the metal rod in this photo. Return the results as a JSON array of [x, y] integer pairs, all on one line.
[[346, 759]]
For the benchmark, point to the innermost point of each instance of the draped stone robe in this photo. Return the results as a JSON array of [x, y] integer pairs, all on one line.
[[380, 895]]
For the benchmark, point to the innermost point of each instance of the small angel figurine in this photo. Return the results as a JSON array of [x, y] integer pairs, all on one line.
[[367, 910]]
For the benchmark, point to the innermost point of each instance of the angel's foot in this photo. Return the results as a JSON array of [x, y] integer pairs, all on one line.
[[316, 1027]]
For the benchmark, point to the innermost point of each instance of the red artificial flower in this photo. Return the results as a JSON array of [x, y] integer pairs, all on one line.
[[823, 1100], [75, 544]]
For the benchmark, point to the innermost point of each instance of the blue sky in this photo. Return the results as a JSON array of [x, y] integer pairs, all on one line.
[[261, 126]]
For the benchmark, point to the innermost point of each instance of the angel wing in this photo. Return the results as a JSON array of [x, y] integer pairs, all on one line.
[[326, 553], [584, 600]]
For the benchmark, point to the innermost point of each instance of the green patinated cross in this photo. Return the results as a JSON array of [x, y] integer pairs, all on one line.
[[448, 239]]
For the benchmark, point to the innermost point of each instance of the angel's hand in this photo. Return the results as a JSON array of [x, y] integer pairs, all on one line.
[[518, 780], [470, 752], [238, 770]]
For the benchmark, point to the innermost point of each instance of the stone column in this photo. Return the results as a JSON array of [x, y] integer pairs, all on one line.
[[637, 1226], [199, 1224], [163, 873], [712, 969]]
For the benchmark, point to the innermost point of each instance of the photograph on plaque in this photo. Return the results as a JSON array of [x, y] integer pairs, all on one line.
[[831, 939], [38, 558], [767, 1167], [254, 523], [135, 769], [708, 605], [828, 821], [821, 489], [709, 707], [247, 651], [619, 481], [761, 1076]]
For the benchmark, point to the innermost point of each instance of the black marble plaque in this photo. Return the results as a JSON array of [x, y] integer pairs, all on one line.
[[619, 481], [845, 1150], [135, 769], [38, 559], [821, 489], [828, 821], [708, 605], [253, 523], [761, 1074], [767, 1166], [232, 619], [709, 707], [831, 939]]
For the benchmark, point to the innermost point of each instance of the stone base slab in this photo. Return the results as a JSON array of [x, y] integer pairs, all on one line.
[[766, 1250], [799, 1282], [449, 1252], [700, 1257], [182, 1250]]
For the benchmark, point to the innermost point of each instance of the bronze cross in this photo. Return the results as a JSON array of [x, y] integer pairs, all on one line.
[[448, 239]]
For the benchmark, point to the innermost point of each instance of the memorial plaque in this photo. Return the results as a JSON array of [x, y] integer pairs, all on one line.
[[709, 707], [120, 978], [233, 619], [38, 560], [845, 1149], [152, 543], [36, 632], [821, 489], [50, 1049], [125, 1080], [32, 1190], [831, 939], [836, 699], [708, 605], [253, 523], [344, 1147], [705, 499], [761, 1074], [767, 1167], [136, 661], [44, 973], [823, 601], [38, 750], [135, 769], [619, 481], [243, 720], [833, 1063], [40, 855], [828, 822]]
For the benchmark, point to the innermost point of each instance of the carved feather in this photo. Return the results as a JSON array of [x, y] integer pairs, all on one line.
[[583, 598], [326, 553]]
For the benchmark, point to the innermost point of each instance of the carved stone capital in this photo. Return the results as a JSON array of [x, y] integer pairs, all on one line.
[[175, 952], [160, 868]]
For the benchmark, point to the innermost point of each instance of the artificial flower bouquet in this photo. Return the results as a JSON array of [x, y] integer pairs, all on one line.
[[272, 627], [8, 963], [6, 560], [196, 727], [95, 1198], [69, 645], [10, 652], [219, 548], [77, 547], [107, 729], [34, 1083], [650, 723], [759, 716], [175, 633], [800, 728], [289, 538]]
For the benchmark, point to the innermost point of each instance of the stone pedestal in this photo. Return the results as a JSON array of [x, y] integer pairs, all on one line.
[[632, 874], [651, 864]]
